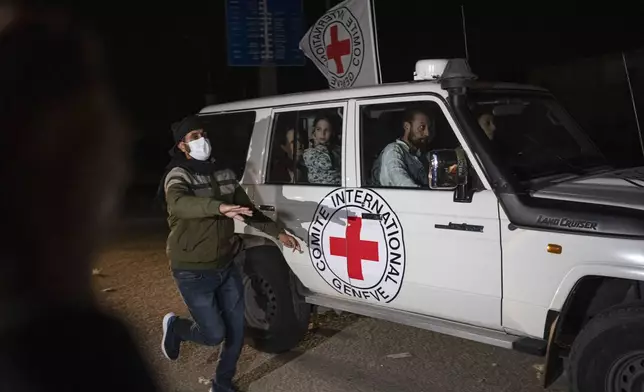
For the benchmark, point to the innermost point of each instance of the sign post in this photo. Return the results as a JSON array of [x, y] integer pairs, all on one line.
[[264, 34]]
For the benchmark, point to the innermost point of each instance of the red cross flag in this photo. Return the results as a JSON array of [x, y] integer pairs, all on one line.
[[343, 45]]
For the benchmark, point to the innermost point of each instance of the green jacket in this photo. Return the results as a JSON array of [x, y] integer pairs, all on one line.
[[200, 236]]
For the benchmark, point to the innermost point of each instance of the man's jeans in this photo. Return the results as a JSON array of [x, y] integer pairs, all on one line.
[[215, 299]]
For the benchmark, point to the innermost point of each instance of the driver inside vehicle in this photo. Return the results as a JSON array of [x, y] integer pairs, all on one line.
[[399, 163]]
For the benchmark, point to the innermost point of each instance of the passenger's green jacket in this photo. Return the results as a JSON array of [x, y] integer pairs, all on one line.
[[200, 236]]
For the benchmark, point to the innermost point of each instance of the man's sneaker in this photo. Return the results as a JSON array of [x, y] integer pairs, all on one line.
[[235, 389], [171, 343]]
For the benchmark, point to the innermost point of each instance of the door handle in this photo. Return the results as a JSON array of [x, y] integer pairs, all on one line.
[[460, 227], [266, 208]]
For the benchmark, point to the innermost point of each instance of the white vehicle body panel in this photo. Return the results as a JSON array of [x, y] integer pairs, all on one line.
[[535, 281], [449, 274]]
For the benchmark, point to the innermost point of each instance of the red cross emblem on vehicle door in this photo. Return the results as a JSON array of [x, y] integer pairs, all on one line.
[[353, 248], [337, 49]]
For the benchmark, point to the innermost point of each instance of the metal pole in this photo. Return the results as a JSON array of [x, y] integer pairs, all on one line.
[[267, 72], [376, 55], [630, 89], [467, 55], [265, 21]]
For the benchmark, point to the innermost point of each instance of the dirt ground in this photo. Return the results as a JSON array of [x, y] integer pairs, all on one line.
[[132, 280]]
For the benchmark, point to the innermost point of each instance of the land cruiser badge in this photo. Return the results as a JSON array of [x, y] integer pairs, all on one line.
[[567, 222], [356, 245]]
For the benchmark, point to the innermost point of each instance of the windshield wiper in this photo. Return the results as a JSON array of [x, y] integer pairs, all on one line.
[[598, 169], [575, 169], [563, 175]]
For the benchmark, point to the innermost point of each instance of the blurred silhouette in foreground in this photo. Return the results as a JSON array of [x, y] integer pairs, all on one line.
[[63, 155]]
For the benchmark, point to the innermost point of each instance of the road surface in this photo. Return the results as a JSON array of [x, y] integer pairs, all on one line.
[[378, 356]]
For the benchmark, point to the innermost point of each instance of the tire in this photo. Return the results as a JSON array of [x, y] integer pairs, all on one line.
[[608, 354], [277, 317]]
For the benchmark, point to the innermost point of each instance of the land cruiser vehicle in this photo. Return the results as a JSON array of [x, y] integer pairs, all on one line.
[[535, 243]]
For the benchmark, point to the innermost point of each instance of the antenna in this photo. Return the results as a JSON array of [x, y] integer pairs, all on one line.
[[467, 55], [630, 89]]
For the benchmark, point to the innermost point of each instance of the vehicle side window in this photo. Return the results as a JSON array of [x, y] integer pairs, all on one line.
[[396, 139], [230, 138], [306, 147]]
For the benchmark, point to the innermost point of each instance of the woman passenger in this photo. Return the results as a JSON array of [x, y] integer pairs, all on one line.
[[323, 160]]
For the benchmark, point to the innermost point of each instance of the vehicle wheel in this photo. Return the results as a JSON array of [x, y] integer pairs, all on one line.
[[276, 315], [608, 354]]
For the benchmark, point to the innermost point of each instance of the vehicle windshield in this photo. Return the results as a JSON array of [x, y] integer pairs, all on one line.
[[533, 135]]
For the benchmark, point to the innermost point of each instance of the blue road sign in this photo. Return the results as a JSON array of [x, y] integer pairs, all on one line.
[[264, 32]]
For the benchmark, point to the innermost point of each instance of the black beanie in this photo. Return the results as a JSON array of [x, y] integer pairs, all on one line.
[[186, 125]]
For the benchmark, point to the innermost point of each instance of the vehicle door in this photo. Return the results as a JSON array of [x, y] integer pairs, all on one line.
[[300, 171], [414, 248]]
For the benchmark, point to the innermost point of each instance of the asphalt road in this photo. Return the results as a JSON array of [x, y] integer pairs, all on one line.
[[340, 353], [378, 356]]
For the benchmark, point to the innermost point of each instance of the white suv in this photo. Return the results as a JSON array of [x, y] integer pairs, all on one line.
[[518, 234]]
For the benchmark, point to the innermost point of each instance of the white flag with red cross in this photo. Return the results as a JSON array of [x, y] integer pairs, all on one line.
[[342, 44]]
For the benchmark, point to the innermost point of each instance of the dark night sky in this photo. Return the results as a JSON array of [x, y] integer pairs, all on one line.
[[160, 58]]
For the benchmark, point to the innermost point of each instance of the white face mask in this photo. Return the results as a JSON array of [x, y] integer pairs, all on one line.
[[200, 149]]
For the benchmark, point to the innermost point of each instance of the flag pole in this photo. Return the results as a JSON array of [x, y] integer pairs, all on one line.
[[372, 11]]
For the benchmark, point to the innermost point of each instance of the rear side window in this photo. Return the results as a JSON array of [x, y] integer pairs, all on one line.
[[229, 136], [306, 147]]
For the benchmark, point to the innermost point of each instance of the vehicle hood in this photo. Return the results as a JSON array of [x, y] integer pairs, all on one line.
[[622, 188]]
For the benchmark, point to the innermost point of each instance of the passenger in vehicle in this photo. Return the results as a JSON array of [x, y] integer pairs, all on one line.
[[323, 160], [486, 122], [287, 165], [399, 164]]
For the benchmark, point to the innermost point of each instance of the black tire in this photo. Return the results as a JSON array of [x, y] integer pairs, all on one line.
[[270, 290], [608, 354]]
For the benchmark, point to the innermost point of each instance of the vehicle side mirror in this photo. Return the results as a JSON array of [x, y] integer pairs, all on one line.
[[444, 170], [449, 170]]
